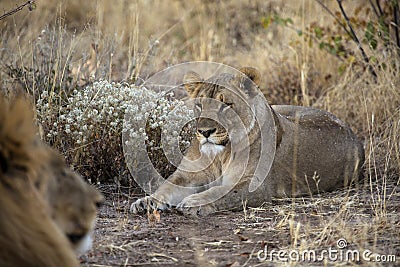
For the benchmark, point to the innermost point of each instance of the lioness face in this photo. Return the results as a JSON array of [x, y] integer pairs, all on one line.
[[221, 106]]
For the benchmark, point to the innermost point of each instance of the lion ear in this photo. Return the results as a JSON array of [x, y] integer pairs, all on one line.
[[253, 74], [192, 82]]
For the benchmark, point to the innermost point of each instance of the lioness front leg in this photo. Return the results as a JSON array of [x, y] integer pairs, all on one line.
[[167, 195], [217, 198]]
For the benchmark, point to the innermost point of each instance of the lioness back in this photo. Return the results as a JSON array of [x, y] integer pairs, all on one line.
[[320, 146], [47, 210]]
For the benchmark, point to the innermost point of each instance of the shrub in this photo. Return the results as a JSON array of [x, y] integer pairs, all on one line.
[[89, 125]]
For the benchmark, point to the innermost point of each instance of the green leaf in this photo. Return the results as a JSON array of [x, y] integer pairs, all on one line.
[[370, 31], [282, 21], [32, 6], [266, 21], [278, 20], [384, 30], [373, 43], [338, 40], [318, 33], [342, 68], [288, 21], [370, 34], [342, 54]]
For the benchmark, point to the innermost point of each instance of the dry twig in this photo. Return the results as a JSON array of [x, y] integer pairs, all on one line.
[[31, 6]]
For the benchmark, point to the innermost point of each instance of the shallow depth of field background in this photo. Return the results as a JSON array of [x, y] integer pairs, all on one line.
[[304, 55]]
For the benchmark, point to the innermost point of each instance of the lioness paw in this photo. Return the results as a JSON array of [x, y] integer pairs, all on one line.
[[197, 210], [139, 206], [192, 206], [147, 203]]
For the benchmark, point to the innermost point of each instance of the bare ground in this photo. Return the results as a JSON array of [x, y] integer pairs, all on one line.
[[235, 238]]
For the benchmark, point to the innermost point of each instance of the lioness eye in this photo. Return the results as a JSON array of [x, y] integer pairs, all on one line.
[[226, 106], [198, 106]]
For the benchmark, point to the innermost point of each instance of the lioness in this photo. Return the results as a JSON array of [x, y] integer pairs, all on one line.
[[47, 210], [314, 150]]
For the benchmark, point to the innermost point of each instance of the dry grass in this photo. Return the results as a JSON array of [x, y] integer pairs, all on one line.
[[63, 45]]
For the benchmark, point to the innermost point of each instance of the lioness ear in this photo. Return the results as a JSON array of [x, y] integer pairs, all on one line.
[[192, 82], [250, 81], [253, 74]]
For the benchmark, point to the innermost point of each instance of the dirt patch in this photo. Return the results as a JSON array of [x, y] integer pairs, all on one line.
[[235, 238]]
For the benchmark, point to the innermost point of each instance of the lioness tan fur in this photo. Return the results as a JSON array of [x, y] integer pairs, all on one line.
[[315, 151], [47, 210]]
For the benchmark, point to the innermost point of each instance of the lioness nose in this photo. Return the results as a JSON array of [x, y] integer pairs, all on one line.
[[207, 133]]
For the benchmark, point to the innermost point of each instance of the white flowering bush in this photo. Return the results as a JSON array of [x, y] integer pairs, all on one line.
[[88, 125]]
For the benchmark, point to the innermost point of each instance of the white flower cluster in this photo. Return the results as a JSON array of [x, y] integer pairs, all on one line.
[[100, 109], [152, 112]]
